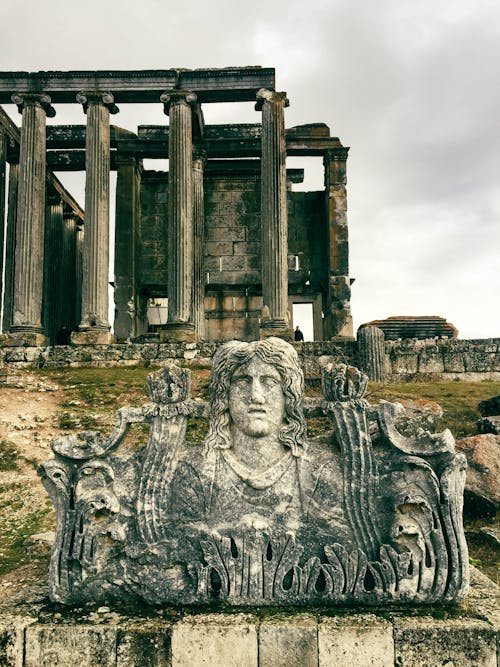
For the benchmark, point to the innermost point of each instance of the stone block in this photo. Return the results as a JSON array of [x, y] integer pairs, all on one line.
[[430, 362], [289, 642], [143, 646], [23, 339], [61, 644], [404, 363], [12, 641], [219, 248], [225, 233], [423, 642], [246, 247], [361, 641], [215, 640], [453, 362], [92, 338]]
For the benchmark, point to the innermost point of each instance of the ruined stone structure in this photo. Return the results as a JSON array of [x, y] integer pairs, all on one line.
[[259, 514], [222, 236]]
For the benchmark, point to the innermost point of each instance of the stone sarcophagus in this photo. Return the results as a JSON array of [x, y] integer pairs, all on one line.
[[260, 514]]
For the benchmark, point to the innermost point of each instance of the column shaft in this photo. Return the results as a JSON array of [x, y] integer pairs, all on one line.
[[29, 255], [67, 277], [3, 221], [338, 319], [273, 209], [55, 281], [96, 244], [180, 212], [10, 246], [199, 231]]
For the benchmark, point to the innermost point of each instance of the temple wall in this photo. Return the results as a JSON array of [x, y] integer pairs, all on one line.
[[232, 249], [468, 360]]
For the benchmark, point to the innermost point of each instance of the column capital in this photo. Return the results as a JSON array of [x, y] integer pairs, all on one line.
[[42, 100], [199, 153], [338, 154], [105, 98], [265, 95], [170, 97]]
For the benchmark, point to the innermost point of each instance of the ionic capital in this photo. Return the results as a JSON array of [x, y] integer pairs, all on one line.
[[199, 154], [171, 97], [34, 99], [106, 99], [265, 95]]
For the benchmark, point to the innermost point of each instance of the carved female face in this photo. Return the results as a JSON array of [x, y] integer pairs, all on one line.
[[256, 399]]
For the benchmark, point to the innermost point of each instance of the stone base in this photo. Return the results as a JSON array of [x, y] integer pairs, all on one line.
[[31, 635], [24, 339], [178, 332], [277, 330], [92, 338]]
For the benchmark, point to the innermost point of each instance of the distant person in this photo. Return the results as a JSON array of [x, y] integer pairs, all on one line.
[[63, 336], [298, 335]]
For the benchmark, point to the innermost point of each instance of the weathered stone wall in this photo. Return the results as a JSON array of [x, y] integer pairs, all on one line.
[[232, 249], [470, 360]]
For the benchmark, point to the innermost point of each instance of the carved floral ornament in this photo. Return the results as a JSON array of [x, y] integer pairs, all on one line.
[[259, 514]]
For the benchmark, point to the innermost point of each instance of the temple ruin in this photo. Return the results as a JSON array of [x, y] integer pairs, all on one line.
[[223, 236]]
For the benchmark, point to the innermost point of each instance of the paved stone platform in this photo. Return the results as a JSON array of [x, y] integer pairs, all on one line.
[[35, 634]]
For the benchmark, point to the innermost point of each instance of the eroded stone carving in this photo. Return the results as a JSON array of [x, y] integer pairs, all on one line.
[[259, 514]]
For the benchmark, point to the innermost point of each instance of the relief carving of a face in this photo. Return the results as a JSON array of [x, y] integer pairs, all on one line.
[[256, 399]]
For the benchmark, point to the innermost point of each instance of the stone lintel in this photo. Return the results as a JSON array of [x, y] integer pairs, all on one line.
[[92, 337], [232, 84]]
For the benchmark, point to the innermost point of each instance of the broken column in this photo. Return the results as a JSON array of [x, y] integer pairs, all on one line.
[[337, 309], [29, 255], [199, 158], [94, 323], [274, 223], [177, 106]]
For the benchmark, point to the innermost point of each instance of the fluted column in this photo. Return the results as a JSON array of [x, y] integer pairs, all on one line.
[[3, 188], [28, 278], [10, 245], [55, 281], [180, 215], [94, 315], [337, 309], [274, 211], [199, 158]]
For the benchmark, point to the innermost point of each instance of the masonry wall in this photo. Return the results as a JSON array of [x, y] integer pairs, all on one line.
[[232, 249]]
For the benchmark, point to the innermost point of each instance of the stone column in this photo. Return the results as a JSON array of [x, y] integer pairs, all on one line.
[[54, 279], [29, 256], [127, 309], [10, 246], [3, 221], [180, 216], [274, 221], [79, 236], [67, 286], [337, 309], [199, 159], [94, 325]]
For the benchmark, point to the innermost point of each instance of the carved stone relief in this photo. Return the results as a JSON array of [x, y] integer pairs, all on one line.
[[259, 514]]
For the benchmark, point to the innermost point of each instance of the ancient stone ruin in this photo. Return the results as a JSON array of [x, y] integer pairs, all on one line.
[[223, 236], [259, 514]]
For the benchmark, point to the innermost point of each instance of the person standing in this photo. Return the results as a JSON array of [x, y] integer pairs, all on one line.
[[298, 335]]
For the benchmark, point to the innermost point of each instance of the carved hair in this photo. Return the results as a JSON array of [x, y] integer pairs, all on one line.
[[283, 358]]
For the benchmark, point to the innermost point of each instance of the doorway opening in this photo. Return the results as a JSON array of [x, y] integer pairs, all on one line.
[[302, 315]]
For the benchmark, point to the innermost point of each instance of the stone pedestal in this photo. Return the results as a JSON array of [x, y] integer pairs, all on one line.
[[180, 214], [338, 318], [92, 337], [94, 315], [273, 209], [29, 255]]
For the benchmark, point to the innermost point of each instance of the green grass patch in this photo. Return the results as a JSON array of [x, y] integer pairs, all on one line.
[[8, 455]]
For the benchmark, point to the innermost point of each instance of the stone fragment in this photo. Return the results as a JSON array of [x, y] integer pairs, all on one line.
[[362, 640], [59, 645], [490, 407], [215, 640], [422, 642], [145, 645], [489, 425], [483, 472]]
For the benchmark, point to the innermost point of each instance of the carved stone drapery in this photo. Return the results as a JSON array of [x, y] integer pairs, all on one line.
[[180, 212], [28, 282], [94, 315], [274, 222]]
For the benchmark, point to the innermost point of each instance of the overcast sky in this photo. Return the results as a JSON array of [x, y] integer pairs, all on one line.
[[412, 86]]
